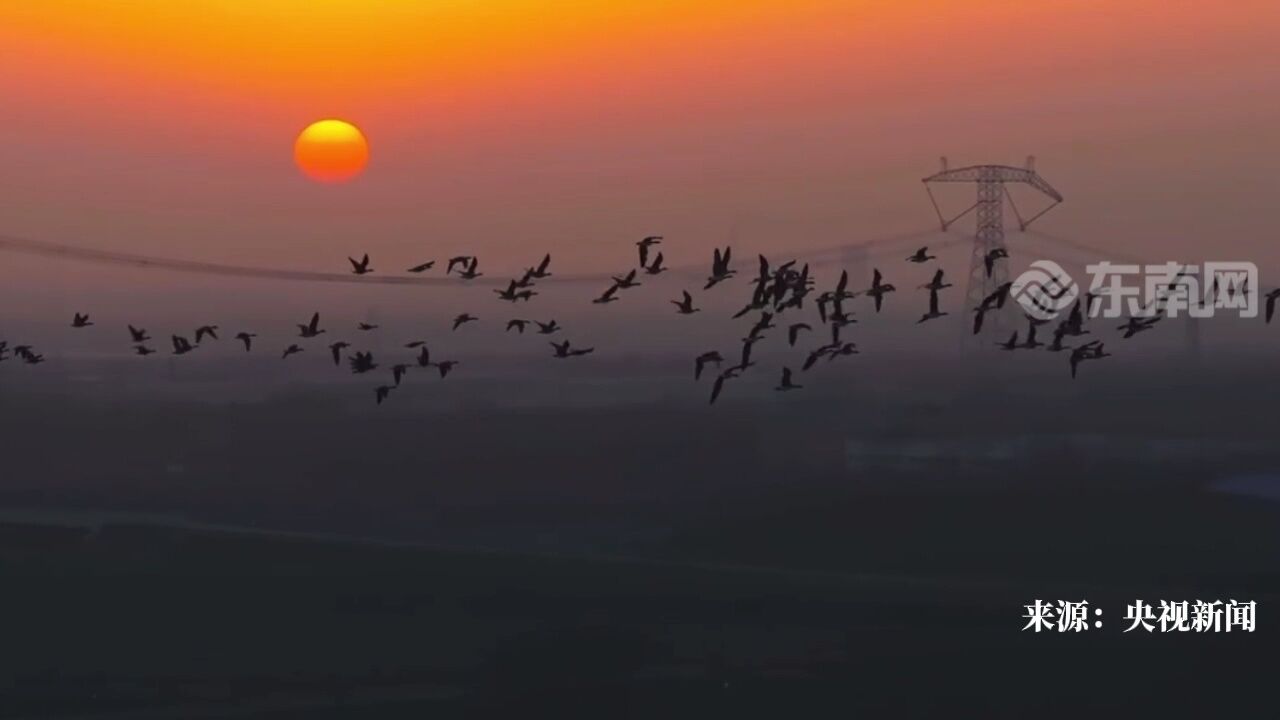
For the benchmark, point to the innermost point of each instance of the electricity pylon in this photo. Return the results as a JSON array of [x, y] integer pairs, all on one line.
[[989, 235]]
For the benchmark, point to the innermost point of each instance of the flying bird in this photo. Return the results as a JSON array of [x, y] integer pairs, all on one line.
[[361, 362], [80, 321], [381, 392], [423, 267], [469, 272], [336, 350], [247, 339], [398, 371], [311, 329], [463, 319], [563, 350], [720, 270], [181, 346], [786, 383], [139, 335], [459, 260], [655, 267], [879, 288], [610, 295], [793, 332], [644, 246], [921, 256], [291, 350], [366, 327], [989, 260], [1271, 304], [541, 271], [702, 360], [203, 330], [936, 283], [685, 305], [547, 328], [142, 350], [933, 308], [626, 281], [517, 325], [360, 267]]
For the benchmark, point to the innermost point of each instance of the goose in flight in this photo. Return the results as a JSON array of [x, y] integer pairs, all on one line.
[[1136, 325], [361, 362], [1089, 351], [456, 261], [247, 339], [608, 296], [563, 350], [291, 350], [879, 288], [921, 256], [1271, 304], [203, 330], [336, 350], [445, 366], [311, 329], [360, 267], [517, 325], [656, 267], [718, 387], [933, 308], [423, 267], [414, 344], [1031, 343], [685, 306], [139, 335], [511, 294], [381, 392], [989, 260], [764, 323], [469, 272], [32, 358], [644, 246], [1056, 345], [424, 357], [627, 281], [745, 361], [397, 372], [463, 319], [793, 332], [366, 327], [181, 346], [80, 321], [547, 328], [701, 361], [786, 383], [720, 268], [541, 271], [142, 350], [936, 283], [1011, 343]]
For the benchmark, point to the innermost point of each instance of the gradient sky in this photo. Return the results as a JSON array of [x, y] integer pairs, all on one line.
[[512, 126]]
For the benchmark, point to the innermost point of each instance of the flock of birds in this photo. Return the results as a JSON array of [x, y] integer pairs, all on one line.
[[776, 292]]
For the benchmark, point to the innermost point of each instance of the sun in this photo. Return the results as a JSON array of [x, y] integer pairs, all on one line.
[[331, 151]]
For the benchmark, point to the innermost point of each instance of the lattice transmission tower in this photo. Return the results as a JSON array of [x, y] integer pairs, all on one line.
[[992, 188]]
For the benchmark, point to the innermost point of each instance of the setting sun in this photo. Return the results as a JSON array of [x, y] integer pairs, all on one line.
[[331, 151]]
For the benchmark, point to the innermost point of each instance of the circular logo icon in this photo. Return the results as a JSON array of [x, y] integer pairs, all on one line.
[[1044, 290]]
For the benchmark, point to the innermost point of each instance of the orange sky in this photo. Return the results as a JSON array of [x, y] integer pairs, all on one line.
[[511, 125]]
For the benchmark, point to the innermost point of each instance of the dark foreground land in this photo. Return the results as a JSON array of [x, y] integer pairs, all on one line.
[[857, 555]]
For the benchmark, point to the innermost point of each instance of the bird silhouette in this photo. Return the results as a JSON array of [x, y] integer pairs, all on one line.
[[143, 350], [933, 308], [423, 267], [655, 267], [311, 329], [291, 350], [610, 295], [541, 270], [445, 367], [1271, 304], [424, 357], [470, 272], [381, 392], [793, 332], [626, 281], [366, 327], [1031, 343], [510, 294], [921, 256], [701, 361], [414, 344], [139, 335], [247, 339], [786, 384], [685, 305], [398, 371], [463, 319], [181, 346], [720, 270], [336, 349], [209, 330], [936, 283], [989, 260], [1011, 343], [721, 379], [644, 246], [456, 261], [517, 325], [1136, 325], [80, 321], [360, 267], [563, 350], [879, 288], [361, 362], [547, 328]]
